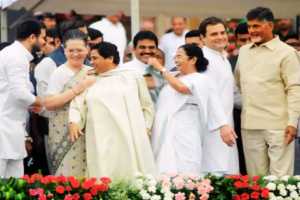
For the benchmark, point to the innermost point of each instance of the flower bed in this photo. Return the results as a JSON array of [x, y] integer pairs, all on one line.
[[166, 187]]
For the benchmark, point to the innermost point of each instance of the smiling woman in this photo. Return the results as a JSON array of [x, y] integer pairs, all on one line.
[[116, 114], [66, 157]]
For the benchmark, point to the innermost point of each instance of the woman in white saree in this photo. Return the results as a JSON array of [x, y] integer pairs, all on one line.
[[187, 108], [116, 112]]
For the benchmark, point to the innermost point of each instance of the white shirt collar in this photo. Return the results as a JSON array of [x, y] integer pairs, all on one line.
[[140, 63], [20, 46], [217, 53]]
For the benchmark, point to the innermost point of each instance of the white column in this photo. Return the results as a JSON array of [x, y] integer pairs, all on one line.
[[135, 16], [3, 23]]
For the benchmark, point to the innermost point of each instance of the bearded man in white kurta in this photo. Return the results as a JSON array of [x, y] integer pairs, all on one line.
[[218, 157]]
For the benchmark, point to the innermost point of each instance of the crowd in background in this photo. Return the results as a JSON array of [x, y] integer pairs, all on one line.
[[101, 104]]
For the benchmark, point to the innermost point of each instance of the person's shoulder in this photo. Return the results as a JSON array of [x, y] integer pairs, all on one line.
[[167, 36], [127, 64], [44, 65], [60, 70], [285, 47]]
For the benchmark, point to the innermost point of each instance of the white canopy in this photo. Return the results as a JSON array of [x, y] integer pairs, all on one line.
[[201, 8]]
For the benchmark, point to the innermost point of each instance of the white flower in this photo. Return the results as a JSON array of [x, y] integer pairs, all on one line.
[[145, 195], [271, 186], [294, 195], [291, 187], [298, 185], [152, 182], [283, 192], [285, 178], [271, 194], [280, 186], [139, 183], [152, 189], [271, 178], [155, 197], [168, 196], [297, 177]]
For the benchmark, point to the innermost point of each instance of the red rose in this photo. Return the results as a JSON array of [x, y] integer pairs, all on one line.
[[45, 180], [36, 177], [245, 178], [26, 178], [102, 187], [50, 195], [61, 179], [94, 190], [255, 178], [33, 192], [245, 196], [255, 187], [254, 195], [236, 197], [68, 197], [240, 184], [87, 196], [74, 183], [42, 197], [265, 193], [76, 196], [88, 183], [60, 189], [105, 180], [68, 188]]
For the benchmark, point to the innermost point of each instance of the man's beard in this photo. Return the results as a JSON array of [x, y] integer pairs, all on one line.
[[36, 51]]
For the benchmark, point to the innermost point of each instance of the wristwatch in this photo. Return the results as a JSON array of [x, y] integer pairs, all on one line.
[[162, 71]]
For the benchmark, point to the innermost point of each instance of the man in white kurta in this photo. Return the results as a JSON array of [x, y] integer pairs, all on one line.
[[217, 156], [117, 110], [145, 46], [113, 31], [16, 97], [170, 42]]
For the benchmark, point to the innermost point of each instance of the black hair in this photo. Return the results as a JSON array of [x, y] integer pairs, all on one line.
[[94, 34], [48, 15], [291, 36], [261, 14], [74, 34], [193, 51], [79, 23], [4, 44], [144, 35], [192, 33], [242, 28], [53, 33], [209, 21], [106, 50], [69, 25], [27, 28]]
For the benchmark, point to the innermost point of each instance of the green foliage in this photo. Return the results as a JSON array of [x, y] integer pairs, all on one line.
[[223, 188]]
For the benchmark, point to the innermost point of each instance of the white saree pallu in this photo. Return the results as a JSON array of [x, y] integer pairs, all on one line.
[[182, 121]]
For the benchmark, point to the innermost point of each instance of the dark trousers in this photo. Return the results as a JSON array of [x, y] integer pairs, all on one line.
[[237, 128]]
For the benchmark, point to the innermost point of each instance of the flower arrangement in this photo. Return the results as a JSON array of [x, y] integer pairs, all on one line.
[[286, 187], [166, 187], [249, 188], [65, 188], [178, 187]]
